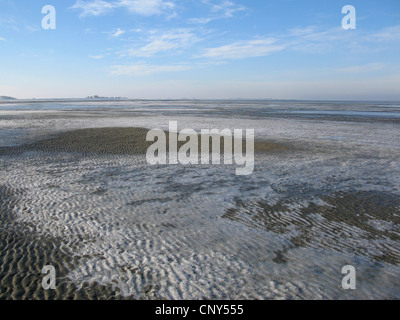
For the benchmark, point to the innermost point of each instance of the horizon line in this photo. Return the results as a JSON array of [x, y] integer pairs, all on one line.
[[16, 100]]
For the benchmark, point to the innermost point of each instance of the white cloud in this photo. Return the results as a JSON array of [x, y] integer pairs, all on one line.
[[301, 31], [223, 9], [10, 23], [226, 8], [243, 49], [166, 41], [141, 7], [96, 57], [311, 40], [308, 39], [117, 33], [2, 39], [387, 34], [201, 20], [93, 8], [148, 7], [143, 69]]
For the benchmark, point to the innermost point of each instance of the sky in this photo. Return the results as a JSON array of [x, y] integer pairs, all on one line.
[[203, 49]]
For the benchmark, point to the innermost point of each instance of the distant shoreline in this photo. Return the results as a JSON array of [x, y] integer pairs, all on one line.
[[5, 99]]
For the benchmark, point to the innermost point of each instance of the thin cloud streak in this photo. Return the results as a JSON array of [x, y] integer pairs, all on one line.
[[243, 49], [96, 57], [158, 42], [307, 40], [146, 8], [143, 69], [140, 7], [224, 9], [92, 8], [117, 33]]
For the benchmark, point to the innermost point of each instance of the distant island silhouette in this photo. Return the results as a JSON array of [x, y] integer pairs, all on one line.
[[105, 98], [7, 98]]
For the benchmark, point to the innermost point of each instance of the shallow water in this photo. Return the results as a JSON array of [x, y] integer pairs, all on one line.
[[201, 232]]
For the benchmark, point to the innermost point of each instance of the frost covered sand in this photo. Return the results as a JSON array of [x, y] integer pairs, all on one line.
[[115, 227], [23, 254]]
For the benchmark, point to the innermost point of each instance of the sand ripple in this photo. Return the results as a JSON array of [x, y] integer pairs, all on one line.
[[115, 227]]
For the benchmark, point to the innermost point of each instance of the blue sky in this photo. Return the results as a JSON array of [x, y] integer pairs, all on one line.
[[289, 49]]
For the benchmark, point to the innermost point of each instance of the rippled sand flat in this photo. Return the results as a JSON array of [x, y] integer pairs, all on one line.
[[86, 202], [117, 141], [23, 254], [341, 223]]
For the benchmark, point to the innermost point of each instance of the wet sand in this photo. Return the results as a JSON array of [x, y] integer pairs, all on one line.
[[23, 254], [341, 224], [117, 141], [341, 218]]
